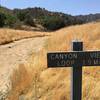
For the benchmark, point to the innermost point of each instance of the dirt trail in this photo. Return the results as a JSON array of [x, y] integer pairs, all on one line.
[[15, 53]]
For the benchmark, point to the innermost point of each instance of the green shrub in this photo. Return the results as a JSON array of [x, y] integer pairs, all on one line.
[[2, 19], [52, 22], [29, 20], [10, 20], [21, 15]]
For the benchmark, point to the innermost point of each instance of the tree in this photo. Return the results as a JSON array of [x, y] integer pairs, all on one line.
[[10, 20], [21, 15], [2, 19], [52, 22], [29, 20]]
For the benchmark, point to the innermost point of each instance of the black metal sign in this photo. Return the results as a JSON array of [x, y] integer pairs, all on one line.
[[78, 58]]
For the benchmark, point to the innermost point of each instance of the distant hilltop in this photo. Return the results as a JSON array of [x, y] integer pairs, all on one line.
[[41, 19]]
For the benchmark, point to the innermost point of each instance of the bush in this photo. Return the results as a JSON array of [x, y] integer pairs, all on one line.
[[2, 19], [29, 20], [21, 15], [10, 20], [52, 22]]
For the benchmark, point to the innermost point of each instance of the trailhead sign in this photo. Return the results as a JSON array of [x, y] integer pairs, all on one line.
[[67, 59], [75, 59]]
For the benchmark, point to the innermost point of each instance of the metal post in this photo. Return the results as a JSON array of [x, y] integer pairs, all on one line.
[[76, 74]]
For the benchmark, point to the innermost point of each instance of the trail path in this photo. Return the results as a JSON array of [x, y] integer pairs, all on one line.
[[15, 53]]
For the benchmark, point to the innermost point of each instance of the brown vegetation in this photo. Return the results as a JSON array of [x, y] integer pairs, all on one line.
[[34, 81], [55, 83], [9, 35]]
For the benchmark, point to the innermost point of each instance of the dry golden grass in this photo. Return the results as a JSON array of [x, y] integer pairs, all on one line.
[[21, 80], [54, 84], [10, 35]]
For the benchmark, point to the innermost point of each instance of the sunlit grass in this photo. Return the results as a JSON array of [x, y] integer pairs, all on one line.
[[55, 84]]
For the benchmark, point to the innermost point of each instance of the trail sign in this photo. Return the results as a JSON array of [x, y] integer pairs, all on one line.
[[76, 60], [67, 59]]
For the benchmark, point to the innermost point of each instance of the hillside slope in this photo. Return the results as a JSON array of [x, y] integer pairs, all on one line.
[[40, 19], [54, 84], [32, 80]]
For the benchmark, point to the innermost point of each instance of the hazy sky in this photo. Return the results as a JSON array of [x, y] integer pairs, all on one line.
[[74, 7]]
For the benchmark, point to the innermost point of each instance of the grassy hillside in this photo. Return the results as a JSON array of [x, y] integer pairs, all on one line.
[[11, 35], [54, 84]]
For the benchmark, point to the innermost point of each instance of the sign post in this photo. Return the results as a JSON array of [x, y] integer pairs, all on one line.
[[76, 59], [76, 74]]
